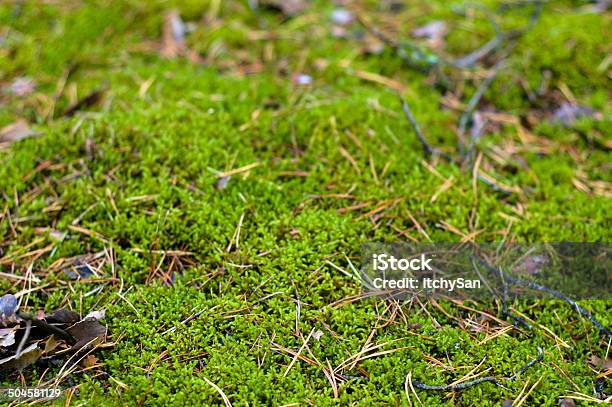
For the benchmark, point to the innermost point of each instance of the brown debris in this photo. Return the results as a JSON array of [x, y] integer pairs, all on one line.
[[91, 99], [173, 44], [173, 35], [87, 331], [16, 131], [32, 336]]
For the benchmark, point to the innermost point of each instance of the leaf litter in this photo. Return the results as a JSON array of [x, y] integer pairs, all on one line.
[[26, 339]]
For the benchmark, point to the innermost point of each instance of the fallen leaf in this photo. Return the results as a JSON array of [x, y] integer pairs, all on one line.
[[317, 334], [90, 361], [19, 362], [15, 132], [8, 307], [81, 270], [600, 364], [62, 316], [100, 314], [86, 331], [50, 344], [7, 336]]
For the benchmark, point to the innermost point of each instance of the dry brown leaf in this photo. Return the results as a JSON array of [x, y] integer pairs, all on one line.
[[90, 361], [27, 357], [600, 364], [86, 331], [62, 316]]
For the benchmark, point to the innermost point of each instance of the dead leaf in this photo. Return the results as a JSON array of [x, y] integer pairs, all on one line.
[[62, 316], [90, 361], [79, 271], [8, 308], [599, 364], [317, 334], [100, 314], [50, 344], [86, 331], [7, 336], [27, 357], [15, 132]]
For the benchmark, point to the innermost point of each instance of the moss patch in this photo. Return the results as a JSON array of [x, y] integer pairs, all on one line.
[[140, 169]]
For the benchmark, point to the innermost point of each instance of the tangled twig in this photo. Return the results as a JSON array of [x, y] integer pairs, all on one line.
[[538, 287], [480, 380], [428, 150]]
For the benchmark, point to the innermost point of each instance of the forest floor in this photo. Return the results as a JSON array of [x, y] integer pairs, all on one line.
[[204, 174]]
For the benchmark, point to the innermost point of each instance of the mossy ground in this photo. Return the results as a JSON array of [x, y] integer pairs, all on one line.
[[140, 170]]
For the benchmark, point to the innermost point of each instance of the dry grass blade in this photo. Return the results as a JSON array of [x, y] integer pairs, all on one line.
[[221, 393]]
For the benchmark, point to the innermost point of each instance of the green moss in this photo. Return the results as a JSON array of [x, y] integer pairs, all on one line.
[[150, 185]]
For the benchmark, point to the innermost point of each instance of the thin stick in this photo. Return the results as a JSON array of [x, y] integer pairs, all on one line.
[[480, 380], [295, 358], [554, 293], [427, 149], [475, 99], [460, 386], [223, 396], [26, 335], [399, 50]]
